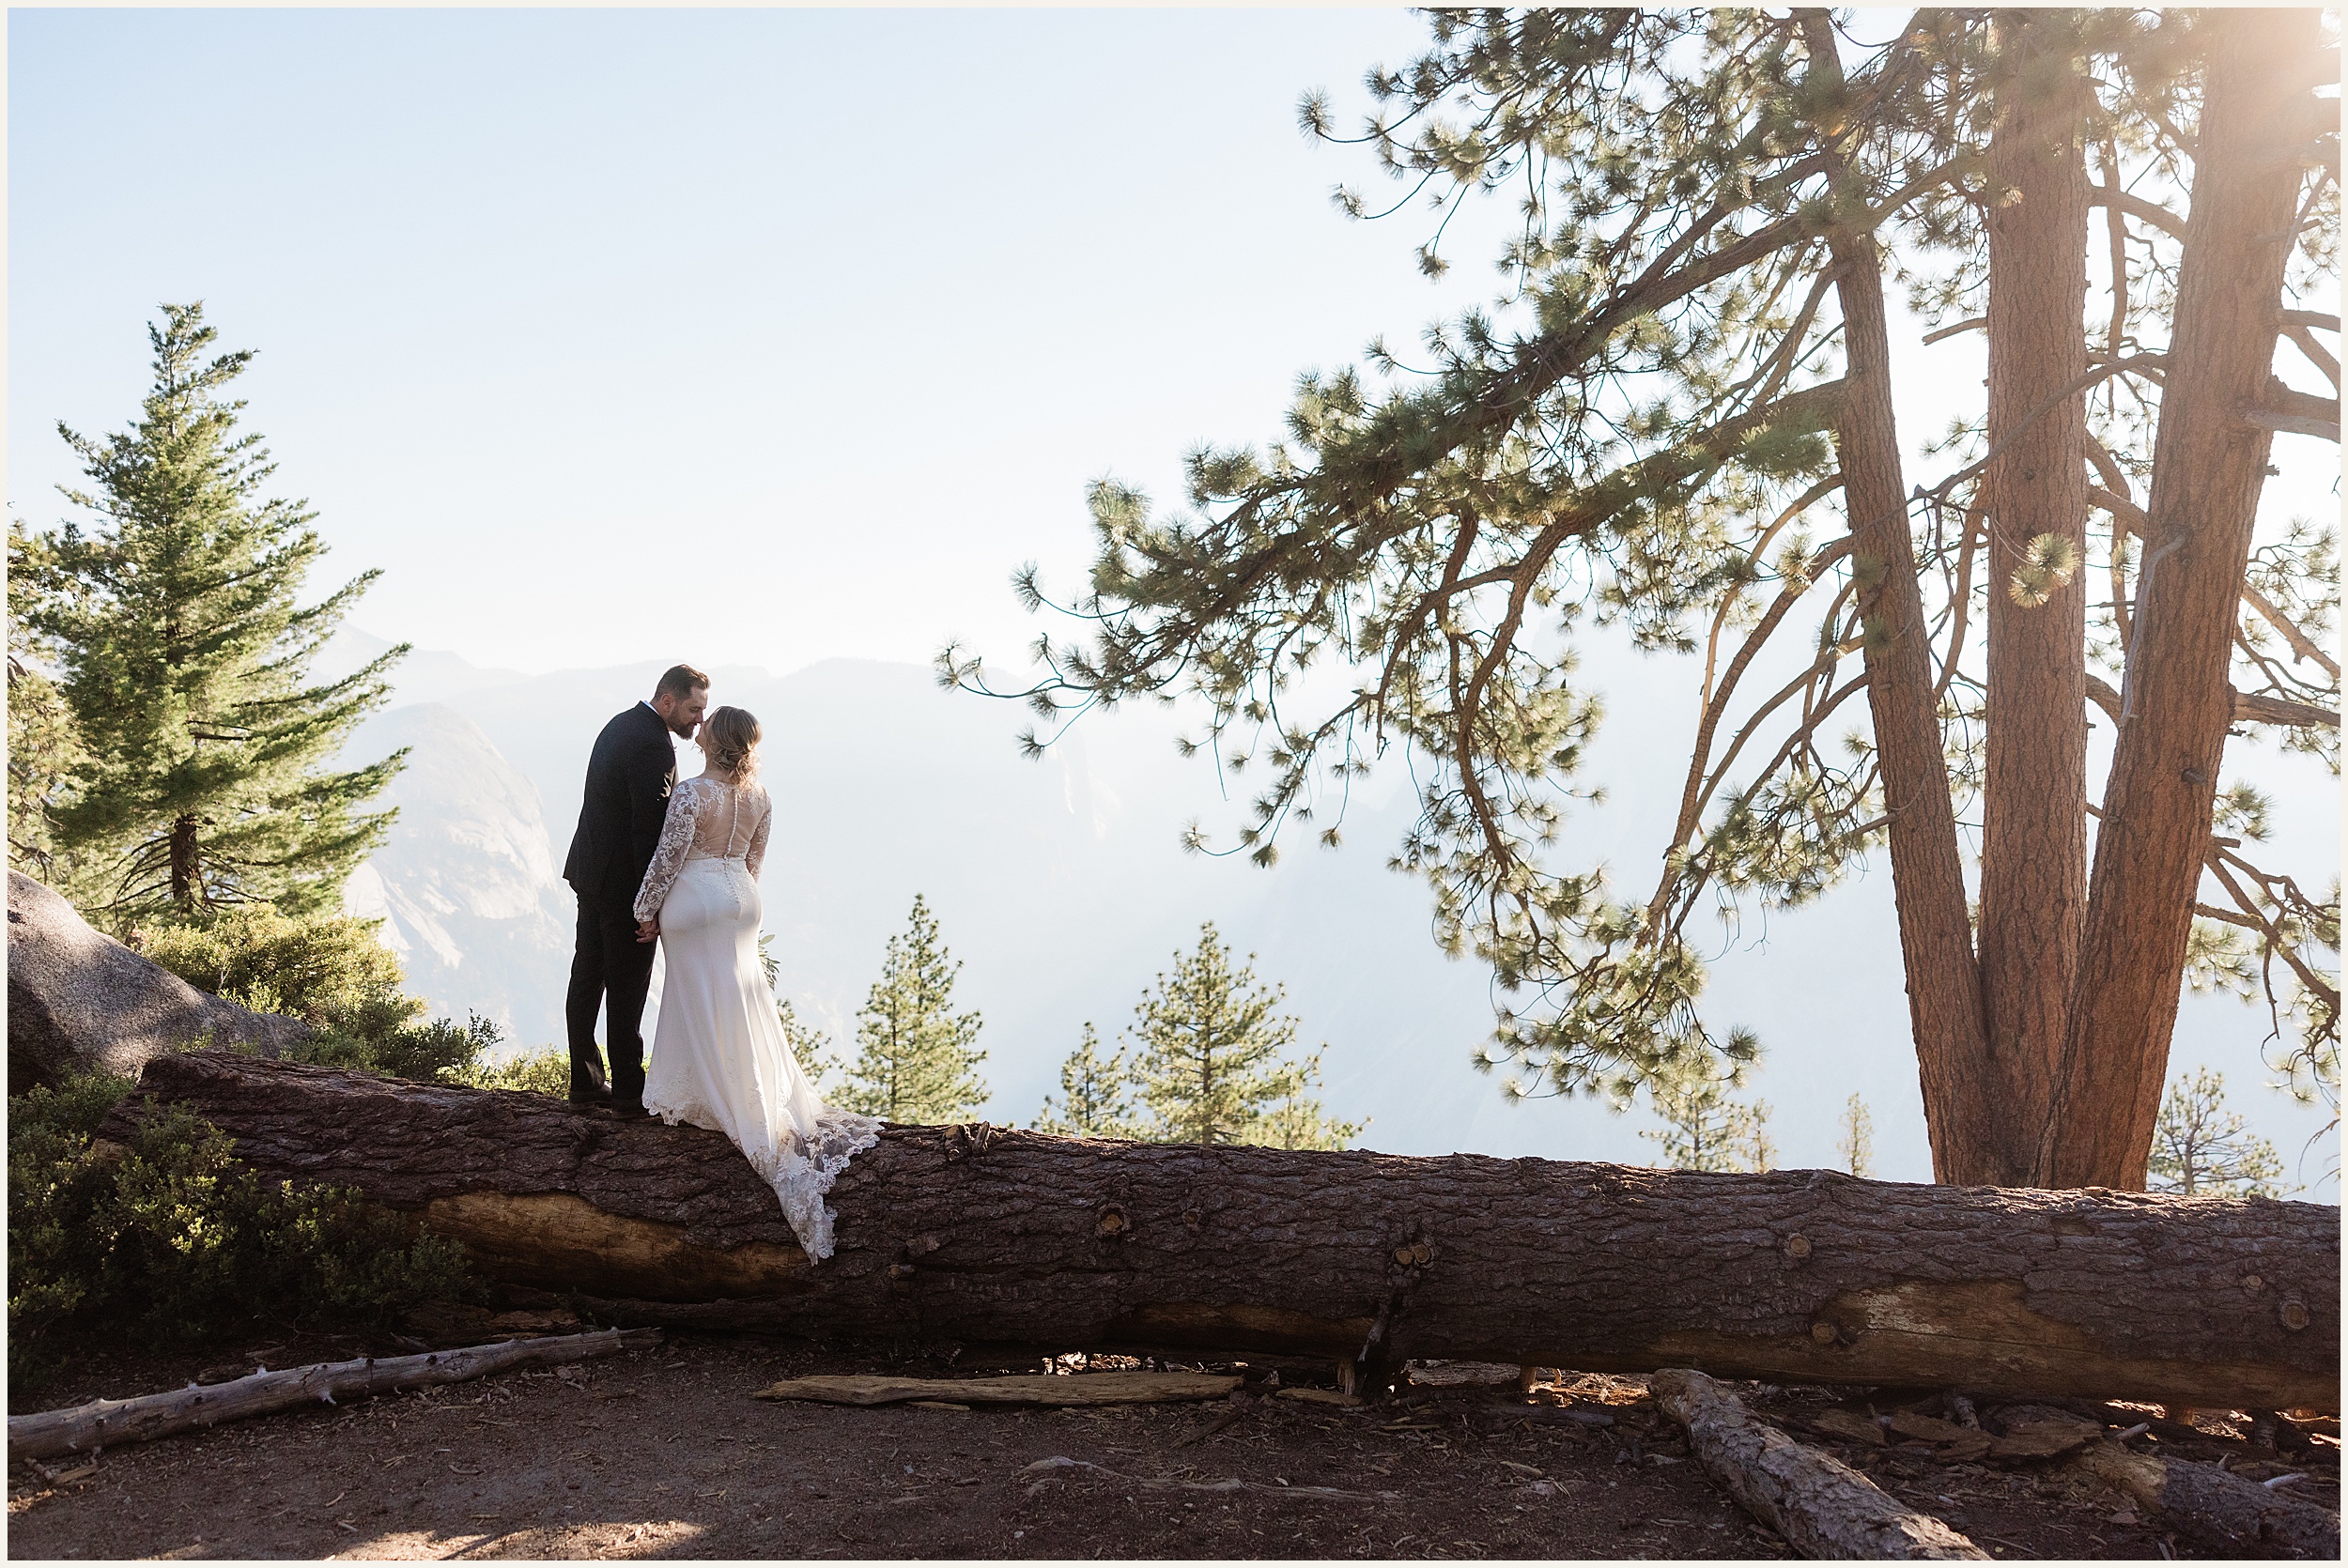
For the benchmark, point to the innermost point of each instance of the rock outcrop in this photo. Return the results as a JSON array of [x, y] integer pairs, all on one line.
[[78, 1001]]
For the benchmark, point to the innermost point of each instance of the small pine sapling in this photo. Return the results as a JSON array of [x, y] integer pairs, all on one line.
[[2200, 1149], [916, 1061]]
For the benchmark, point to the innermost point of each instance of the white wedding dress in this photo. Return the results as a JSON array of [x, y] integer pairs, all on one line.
[[718, 1056]]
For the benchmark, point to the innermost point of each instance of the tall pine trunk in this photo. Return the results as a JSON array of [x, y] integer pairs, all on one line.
[[2034, 857], [1927, 872], [2209, 463], [187, 882]]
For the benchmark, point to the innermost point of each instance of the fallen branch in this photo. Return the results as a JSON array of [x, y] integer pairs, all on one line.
[[1059, 1466], [1223, 1421], [1501, 1416], [1076, 1390], [1822, 1506], [108, 1422], [2238, 1517]]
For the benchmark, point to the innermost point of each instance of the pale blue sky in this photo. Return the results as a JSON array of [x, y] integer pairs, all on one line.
[[735, 336]]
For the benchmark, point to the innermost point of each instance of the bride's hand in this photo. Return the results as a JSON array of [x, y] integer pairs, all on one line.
[[647, 929]]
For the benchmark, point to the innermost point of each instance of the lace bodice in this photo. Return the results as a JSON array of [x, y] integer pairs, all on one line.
[[706, 821]]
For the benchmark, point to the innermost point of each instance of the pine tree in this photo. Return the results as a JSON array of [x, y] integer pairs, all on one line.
[[44, 747], [1703, 1127], [178, 622], [1678, 418], [1296, 1119], [1210, 1062], [1857, 1145], [1094, 1097], [809, 1046], [2202, 1150], [916, 1061]]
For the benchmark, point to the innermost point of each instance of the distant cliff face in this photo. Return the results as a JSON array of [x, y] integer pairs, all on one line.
[[466, 884]]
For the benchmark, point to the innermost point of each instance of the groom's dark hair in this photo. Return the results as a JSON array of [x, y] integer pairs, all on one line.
[[682, 680]]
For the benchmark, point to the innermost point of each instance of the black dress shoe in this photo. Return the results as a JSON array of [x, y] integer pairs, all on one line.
[[627, 1109], [595, 1094]]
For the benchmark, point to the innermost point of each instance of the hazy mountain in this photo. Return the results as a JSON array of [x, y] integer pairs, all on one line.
[[468, 891], [424, 675]]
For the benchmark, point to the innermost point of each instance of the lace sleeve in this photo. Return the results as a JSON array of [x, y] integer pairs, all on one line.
[[757, 856], [676, 837]]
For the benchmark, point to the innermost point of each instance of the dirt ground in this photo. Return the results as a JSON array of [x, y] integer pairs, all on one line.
[[664, 1453]]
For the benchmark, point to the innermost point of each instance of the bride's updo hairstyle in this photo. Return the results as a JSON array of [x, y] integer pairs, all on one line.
[[734, 737]]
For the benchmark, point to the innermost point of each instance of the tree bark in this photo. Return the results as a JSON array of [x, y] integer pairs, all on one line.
[[1820, 1505], [978, 1234], [1927, 871], [186, 890], [2258, 118], [2033, 855], [111, 1422], [2238, 1517]]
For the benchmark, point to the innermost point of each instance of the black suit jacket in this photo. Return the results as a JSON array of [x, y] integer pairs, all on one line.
[[629, 774]]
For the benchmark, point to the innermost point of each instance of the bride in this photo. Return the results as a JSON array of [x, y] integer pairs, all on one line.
[[718, 1056]]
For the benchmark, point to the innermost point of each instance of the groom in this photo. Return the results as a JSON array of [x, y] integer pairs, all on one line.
[[629, 778]]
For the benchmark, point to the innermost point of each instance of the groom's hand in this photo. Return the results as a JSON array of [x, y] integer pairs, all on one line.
[[647, 929]]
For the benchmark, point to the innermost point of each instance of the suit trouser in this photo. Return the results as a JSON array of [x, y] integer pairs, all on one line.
[[610, 972]]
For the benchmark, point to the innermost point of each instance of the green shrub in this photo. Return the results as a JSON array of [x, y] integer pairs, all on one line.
[[332, 973], [54, 1188], [172, 1239], [328, 970], [547, 1072], [440, 1051]]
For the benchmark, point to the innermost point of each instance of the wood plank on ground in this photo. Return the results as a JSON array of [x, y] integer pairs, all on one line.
[[1078, 1389]]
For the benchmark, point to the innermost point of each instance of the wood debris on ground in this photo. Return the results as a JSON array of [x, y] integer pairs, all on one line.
[[1078, 1389], [86, 1428]]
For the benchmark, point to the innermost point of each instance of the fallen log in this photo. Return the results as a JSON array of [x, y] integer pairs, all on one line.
[[1821, 1506], [111, 1422], [984, 1236], [1076, 1390], [2239, 1518]]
